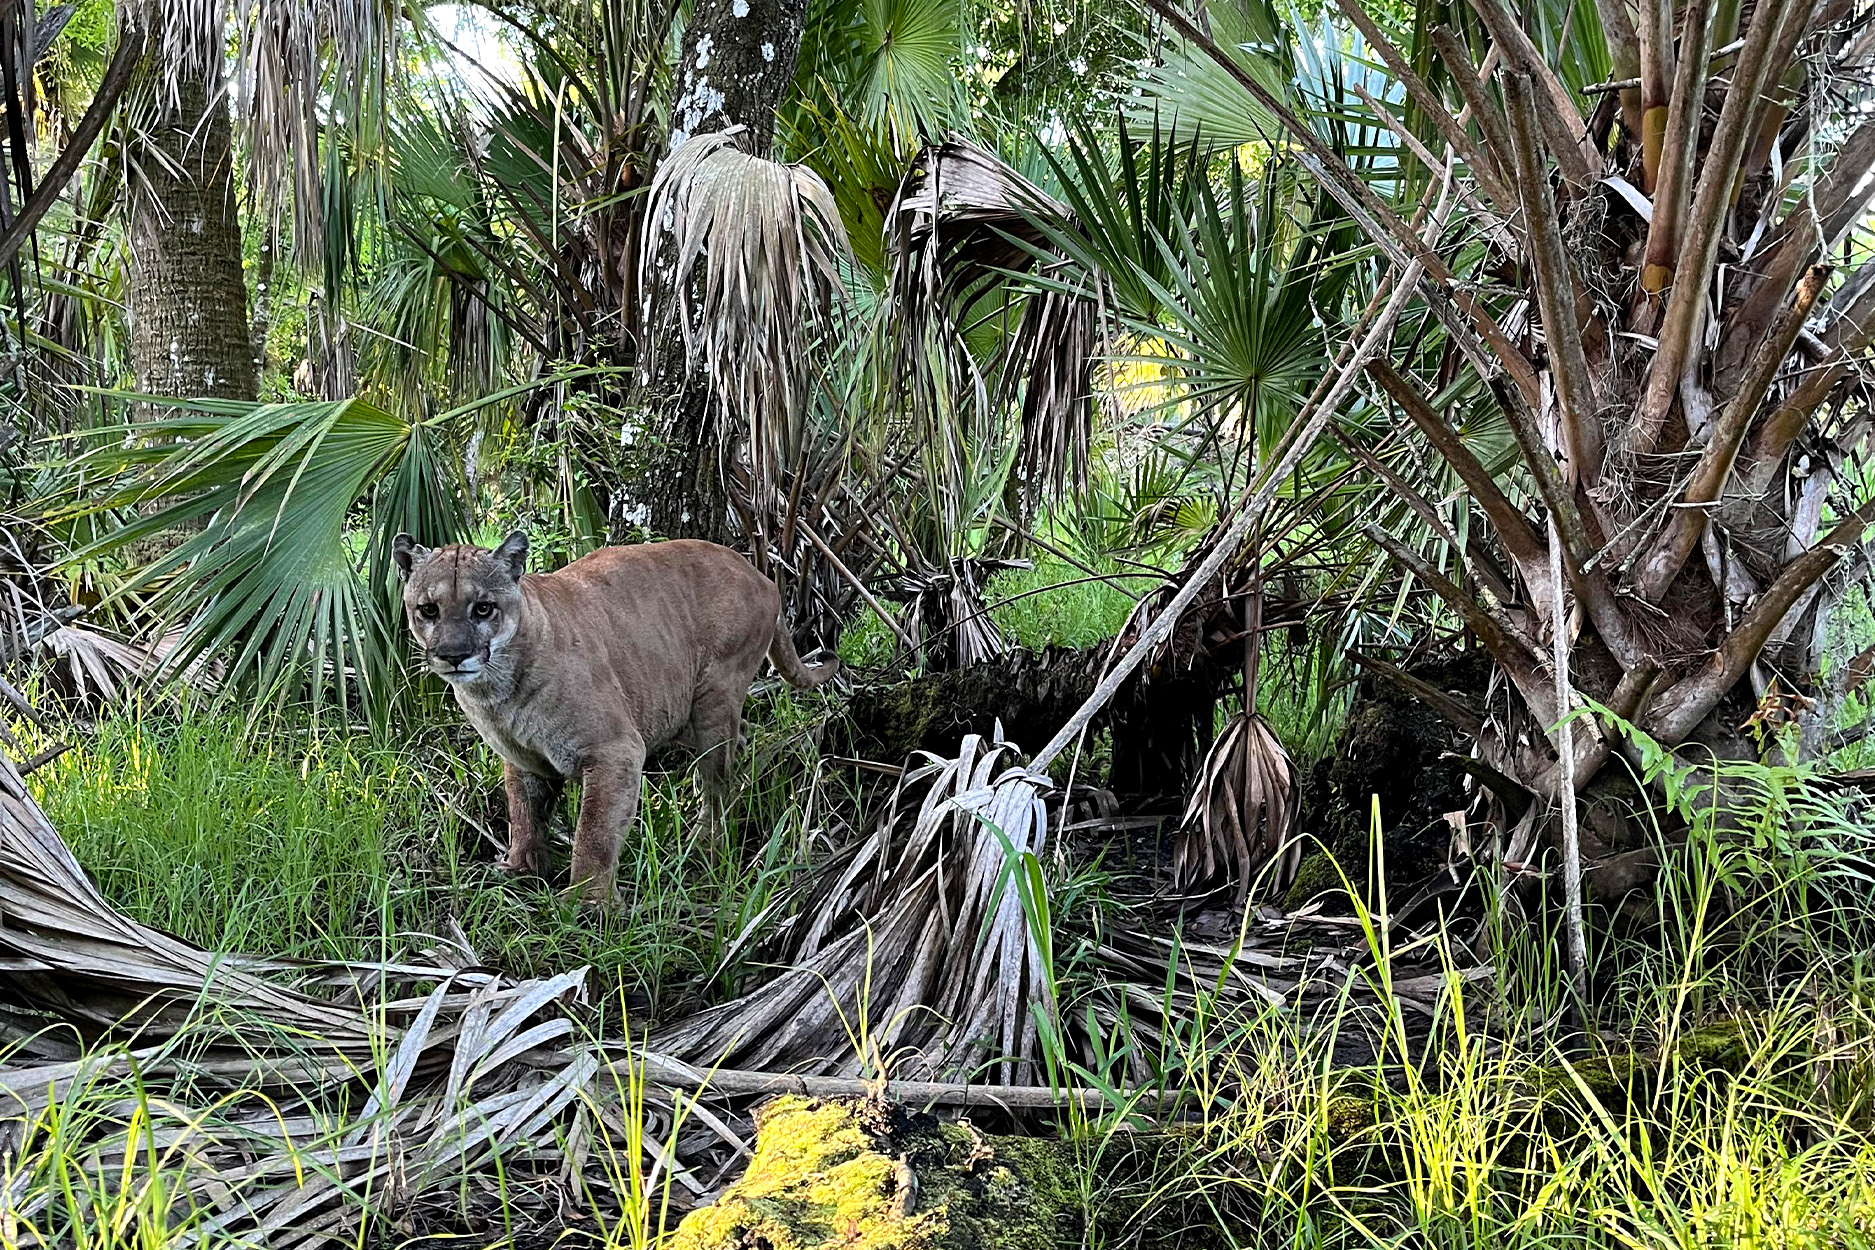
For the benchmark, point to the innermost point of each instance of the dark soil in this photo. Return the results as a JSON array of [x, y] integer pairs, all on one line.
[[1389, 750]]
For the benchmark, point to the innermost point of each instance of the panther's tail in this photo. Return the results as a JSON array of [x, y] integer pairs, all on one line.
[[789, 665]]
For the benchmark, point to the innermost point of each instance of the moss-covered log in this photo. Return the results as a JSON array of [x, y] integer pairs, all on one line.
[[864, 1174]]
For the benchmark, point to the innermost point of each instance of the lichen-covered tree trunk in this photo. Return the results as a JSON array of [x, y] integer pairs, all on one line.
[[189, 332], [738, 59]]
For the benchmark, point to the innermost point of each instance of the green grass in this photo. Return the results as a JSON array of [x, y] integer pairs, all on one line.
[[1056, 604], [1053, 604], [308, 840]]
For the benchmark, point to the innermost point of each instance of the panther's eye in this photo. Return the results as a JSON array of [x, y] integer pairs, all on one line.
[[428, 611], [482, 611]]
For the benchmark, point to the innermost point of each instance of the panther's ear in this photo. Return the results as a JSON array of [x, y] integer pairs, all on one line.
[[512, 554], [407, 555]]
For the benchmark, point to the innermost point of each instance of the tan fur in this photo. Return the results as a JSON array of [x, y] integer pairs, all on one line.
[[578, 675]]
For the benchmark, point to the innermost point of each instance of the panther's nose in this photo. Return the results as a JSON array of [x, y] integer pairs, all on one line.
[[453, 659]]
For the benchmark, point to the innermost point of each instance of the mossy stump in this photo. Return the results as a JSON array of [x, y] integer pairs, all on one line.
[[864, 1174]]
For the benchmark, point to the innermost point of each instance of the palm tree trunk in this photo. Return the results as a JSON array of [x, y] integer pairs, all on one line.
[[738, 60], [189, 332]]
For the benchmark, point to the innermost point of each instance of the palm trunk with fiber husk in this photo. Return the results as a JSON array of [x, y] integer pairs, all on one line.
[[189, 332], [737, 61]]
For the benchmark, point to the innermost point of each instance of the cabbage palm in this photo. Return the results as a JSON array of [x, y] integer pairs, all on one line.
[[1659, 318]]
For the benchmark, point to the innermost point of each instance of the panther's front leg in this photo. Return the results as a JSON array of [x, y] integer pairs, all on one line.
[[531, 799], [608, 807]]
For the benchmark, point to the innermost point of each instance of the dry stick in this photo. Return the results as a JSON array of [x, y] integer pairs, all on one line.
[[1483, 110], [116, 79], [1566, 787], [1302, 437], [1556, 289], [1562, 122], [1699, 249], [1487, 219], [856, 584], [1429, 100], [668, 1073]]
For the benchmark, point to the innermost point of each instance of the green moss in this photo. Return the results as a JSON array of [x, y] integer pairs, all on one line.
[[1626, 1079], [1348, 1116], [859, 1173], [1722, 1046], [1317, 874]]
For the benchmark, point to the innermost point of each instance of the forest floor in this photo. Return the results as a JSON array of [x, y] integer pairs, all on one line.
[[1725, 1099]]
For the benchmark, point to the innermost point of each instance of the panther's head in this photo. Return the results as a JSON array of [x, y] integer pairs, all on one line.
[[463, 603]]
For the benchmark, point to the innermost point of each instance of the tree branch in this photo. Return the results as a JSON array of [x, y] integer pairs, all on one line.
[[1849, 336], [1675, 544], [1448, 708], [1575, 155], [1556, 290], [1681, 708], [1484, 111], [1692, 274], [1835, 200], [1592, 587], [1510, 648], [1627, 700], [1677, 147], [1488, 219], [1490, 577], [1513, 528], [1656, 82], [116, 80], [1430, 102]]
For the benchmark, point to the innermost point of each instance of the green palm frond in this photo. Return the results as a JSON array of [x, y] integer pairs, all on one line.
[[284, 495], [892, 65], [755, 286], [907, 79], [1198, 98], [860, 167], [1124, 211], [1248, 297]]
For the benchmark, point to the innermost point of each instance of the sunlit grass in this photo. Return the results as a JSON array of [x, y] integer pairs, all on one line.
[[308, 840]]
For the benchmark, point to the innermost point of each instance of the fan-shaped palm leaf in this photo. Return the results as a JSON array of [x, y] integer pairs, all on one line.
[[272, 579], [892, 64], [1199, 98]]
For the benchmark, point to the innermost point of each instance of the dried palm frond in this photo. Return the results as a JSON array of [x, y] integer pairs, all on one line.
[[963, 222], [341, 1112], [102, 667], [1241, 812], [925, 952], [945, 617], [754, 271]]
